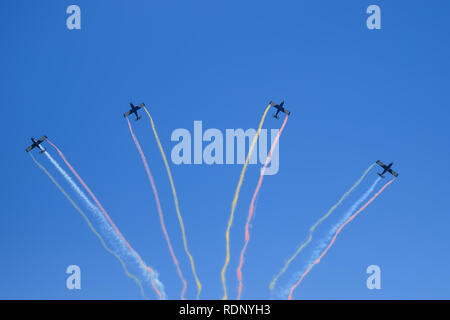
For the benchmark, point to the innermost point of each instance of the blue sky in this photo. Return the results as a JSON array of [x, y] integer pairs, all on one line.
[[356, 96]]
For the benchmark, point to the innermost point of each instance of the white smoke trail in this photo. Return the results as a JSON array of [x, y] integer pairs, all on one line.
[[325, 240], [85, 217], [98, 214], [119, 244]]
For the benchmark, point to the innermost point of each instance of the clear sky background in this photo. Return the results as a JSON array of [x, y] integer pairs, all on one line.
[[356, 96]]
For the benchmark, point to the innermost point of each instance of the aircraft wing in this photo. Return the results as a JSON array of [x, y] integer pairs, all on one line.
[[29, 148], [42, 139], [395, 174], [141, 105], [287, 111], [126, 114], [381, 164]]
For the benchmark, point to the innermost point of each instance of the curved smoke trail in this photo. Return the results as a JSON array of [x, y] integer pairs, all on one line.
[[177, 207], [102, 241], [313, 228], [152, 275], [334, 238], [158, 206], [233, 206], [252, 208]]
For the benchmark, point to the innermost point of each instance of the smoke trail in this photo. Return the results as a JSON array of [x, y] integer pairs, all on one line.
[[252, 208], [90, 226], [152, 275], [325, 240], [334, 238], [148, 272], [160, 213], [313, 228], [89, 204], [177, 207], [233, 206]]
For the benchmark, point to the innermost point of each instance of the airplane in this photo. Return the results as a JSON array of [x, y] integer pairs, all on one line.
[[386, 168], [279, 108], [37, 144], [134, 110]]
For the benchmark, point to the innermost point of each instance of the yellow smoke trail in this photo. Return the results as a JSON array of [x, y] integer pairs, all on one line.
[[311, 230], [160, 212], [177, 208], [233, 204], [251, 210], [90, 226]]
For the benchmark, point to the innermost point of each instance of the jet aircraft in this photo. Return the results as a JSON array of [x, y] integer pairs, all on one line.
[[279, 108], [386, 168], [37, 144], [134, 110]]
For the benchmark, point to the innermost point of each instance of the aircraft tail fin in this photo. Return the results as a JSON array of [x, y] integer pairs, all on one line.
[[380, 175]]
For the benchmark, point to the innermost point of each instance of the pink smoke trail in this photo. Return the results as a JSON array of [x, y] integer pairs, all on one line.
[[252, 208], [109, 219], [160, 213], [334, 238]]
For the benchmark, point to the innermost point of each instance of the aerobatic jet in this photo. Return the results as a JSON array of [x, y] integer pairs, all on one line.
[[37, 144], [386, 168], [279, 108], [134, 110]]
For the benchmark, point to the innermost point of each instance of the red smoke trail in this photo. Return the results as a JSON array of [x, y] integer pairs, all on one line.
[[160, 213], [252, 208], [109, 219], [335, 236]]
